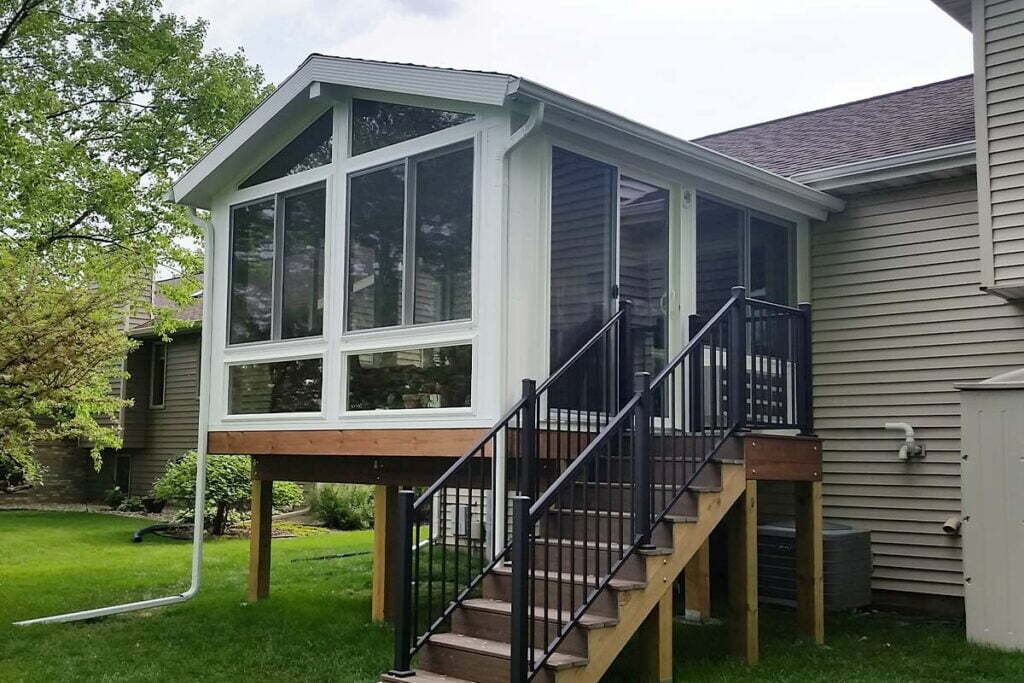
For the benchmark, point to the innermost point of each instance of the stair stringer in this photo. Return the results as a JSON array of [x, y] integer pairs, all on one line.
[[605, 644]]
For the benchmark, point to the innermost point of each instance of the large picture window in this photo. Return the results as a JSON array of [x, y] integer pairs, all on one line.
[[292, 386], [436, 377], [410, 241], [277, 267]]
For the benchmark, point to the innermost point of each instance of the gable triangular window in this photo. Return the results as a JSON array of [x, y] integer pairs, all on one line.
[[310, 149], [380, 124]]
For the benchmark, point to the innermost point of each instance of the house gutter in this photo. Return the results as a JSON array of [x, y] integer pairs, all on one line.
[[200, 500], [881, 169], [683, 148]]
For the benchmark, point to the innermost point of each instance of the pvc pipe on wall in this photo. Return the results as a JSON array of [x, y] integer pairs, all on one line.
[[200, 501]]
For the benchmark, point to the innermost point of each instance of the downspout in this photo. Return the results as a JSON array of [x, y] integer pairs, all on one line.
[[533, 123], [200, 501]]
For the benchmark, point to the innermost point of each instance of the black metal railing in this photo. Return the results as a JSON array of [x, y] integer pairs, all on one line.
[[588, 525], [460, 527]]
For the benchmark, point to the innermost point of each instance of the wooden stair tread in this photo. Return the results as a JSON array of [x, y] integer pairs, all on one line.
[[578, 579], [598, 545], [494, 648], [420, 676], [587, 621], [687, 519]]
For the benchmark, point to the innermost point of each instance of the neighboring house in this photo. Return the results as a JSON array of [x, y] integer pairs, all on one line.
[[160, 425]]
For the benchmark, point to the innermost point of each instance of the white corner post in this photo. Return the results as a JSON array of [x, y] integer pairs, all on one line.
[[200, 501]]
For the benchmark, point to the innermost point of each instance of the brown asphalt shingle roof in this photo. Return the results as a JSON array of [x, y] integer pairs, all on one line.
[[920, 118]]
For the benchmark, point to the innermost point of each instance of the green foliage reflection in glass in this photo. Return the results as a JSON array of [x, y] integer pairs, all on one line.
[[437, 377]]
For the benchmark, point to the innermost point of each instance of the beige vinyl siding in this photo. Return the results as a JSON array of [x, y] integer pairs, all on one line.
[[999, 80], [898, 319]]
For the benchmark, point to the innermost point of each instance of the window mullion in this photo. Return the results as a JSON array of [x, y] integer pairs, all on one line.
[[409, 269], [277, 290]]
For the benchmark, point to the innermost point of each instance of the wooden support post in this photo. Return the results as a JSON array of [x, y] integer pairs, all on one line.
[[656, 642], [259, 539], [810, 581], [385, 518], [743, 612], [697, 584]]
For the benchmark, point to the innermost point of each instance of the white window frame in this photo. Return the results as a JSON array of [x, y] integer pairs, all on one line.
[[297, 416]]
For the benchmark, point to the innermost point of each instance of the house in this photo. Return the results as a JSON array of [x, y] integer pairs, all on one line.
[[158, 427]]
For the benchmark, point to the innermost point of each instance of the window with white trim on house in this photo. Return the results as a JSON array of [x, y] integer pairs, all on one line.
[[277, 266], [410, 233], [381, 124], [158, 375], [292, 386], [434, 377], [310, 149]]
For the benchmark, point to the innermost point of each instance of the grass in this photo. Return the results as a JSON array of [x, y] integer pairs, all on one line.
[[316, 626]]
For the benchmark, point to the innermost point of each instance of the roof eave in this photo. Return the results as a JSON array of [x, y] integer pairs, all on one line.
[[884, 169], [825, 203]]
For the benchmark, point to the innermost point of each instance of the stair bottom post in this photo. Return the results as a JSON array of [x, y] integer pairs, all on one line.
[[743, 608]]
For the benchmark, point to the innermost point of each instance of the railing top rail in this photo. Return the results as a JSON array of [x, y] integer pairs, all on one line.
[[579, 352], [440, 482], [545, 499], [761, 303]]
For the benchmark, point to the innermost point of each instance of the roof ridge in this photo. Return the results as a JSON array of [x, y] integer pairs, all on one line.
[[829, 108]]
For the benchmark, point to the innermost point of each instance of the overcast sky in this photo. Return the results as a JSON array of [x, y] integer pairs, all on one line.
[[687, 67]]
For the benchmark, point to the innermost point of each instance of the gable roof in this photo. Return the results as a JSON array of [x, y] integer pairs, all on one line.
[[924, 117], [960, 10], [299, 94]]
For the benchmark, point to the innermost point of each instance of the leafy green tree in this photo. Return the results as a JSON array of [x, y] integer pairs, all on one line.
[[102, 104], [228, 488]]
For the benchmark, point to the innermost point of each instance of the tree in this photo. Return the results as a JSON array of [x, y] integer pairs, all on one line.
[[102, 104], [228, 488]]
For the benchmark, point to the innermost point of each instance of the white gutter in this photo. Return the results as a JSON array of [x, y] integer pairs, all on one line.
[[881, 169], [200, 500], [689, 150]]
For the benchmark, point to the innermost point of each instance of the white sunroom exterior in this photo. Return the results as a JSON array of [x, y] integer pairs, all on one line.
[[517, 131]]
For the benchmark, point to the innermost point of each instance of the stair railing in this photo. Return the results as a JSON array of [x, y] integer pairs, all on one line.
[[569, 544], [460, 527]]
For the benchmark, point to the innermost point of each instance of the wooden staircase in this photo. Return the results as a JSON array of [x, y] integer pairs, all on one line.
[[478, 646], [608, 507]]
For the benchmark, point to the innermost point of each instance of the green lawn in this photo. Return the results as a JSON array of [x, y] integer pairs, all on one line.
[[315, 626]]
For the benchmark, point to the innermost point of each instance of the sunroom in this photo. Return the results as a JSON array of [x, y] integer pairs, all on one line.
[[393, 249]]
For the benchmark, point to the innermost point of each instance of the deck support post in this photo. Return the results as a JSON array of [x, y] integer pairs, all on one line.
[[743, 608], [810, 583], [385, 520], [697, 584], [259, 539], [656, 641]]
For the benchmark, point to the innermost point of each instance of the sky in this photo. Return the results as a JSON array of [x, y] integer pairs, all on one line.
[[686, 67]]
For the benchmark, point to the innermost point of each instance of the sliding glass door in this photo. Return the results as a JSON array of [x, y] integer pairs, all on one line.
[[609, 241]]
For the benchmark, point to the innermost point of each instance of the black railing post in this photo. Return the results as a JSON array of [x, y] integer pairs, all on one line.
[[624, 360], [404, 579], [805, 375], [520, 553], [696, 397], [737, 358], [642, 460], [528, 441]]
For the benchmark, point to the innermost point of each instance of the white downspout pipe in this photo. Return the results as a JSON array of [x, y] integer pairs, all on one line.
[[532, 124], [200, 501]]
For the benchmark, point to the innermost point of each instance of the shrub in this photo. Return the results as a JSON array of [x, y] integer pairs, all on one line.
[[228, 489], [113, 498], [131, 504], [344, 506]]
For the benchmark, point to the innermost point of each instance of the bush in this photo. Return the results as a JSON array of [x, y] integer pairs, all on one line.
[[113, 498], [228, 489], [345, 506], [131, 504]]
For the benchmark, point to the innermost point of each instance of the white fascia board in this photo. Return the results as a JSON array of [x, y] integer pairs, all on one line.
[[467, 86], [944, 158], [691, 152]]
